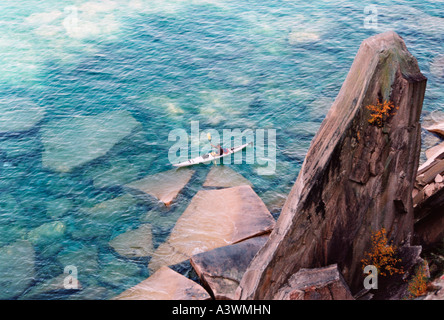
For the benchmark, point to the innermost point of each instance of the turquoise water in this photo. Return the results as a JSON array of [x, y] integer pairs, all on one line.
[[115, 77]]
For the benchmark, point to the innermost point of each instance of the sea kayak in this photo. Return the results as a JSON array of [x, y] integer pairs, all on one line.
[[208, 157]]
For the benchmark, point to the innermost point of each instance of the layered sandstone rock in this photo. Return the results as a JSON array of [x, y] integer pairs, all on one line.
[[428, 198], [134, 243], [225, 177], [221, 269], [357, 176], [324, 283], [213, 219], [165, 284], [165, 186]]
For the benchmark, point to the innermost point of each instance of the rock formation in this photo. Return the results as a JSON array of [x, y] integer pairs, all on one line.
[[165, 284], [324, 283], [134, 243], [428, 198], [222, 269], [165, 186], [357, 176], [225, 177], [213, 219]]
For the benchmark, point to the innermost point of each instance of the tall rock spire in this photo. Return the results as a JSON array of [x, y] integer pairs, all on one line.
[[357, 176]]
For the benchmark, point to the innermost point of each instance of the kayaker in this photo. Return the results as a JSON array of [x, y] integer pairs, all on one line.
[[219, 148]]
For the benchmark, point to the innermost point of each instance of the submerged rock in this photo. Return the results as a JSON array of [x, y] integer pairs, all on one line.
[[20, 146], [19, 114], [58, 207], [165, 186], [47, 232], [165, 284], [72, 142], [118, 273], [47, 287], [134, 243], [16, 268], [85, 259], [213, 219], [111, 209], [119, 174], [225, 177], [357, 176], [274, 200], [221, 269], [297, 37]]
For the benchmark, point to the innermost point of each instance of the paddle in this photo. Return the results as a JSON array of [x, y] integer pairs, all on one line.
[[209, 139]]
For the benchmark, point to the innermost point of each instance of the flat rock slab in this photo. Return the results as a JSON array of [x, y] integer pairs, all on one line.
[[222, 269], [165, 284], [225, 177], [72, 142], [435, 151], [134, 243], [316, 284], [213, 219], [437, 128], [165, 186]]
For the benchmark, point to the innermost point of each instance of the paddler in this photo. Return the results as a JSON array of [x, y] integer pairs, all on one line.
[[218, 147]]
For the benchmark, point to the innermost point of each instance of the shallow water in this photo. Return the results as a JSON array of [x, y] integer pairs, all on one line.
[[115, 77]]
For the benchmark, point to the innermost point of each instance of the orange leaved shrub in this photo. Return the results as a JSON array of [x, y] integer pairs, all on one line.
[[418, 284], [382, 255], [381, 112]]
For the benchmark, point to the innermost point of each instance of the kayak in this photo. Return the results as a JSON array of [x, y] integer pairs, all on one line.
[[208, 157]]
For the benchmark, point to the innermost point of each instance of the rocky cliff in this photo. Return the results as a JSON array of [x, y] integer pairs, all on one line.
[[357, 176]]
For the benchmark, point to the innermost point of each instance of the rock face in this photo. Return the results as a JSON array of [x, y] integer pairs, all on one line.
[[214, 218], [428, 199], [165, 186], [165, 284], [316, 284], [396, 286], [357, 177], [221, 269]]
